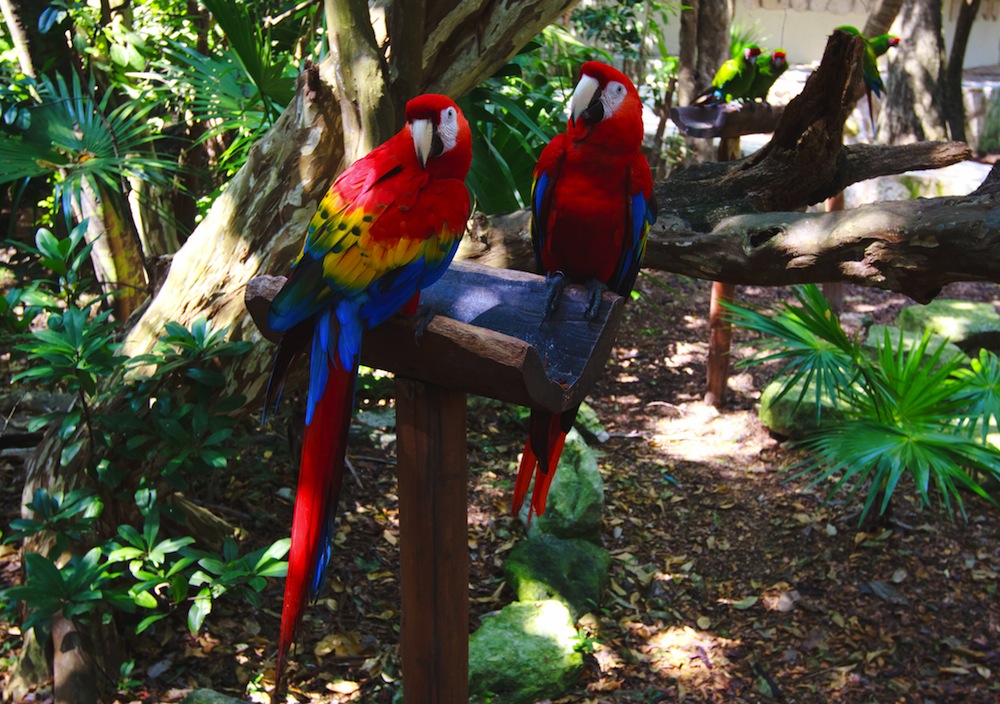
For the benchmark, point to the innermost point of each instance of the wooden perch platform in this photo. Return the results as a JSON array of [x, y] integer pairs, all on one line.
[[726, 120], [486, 338]]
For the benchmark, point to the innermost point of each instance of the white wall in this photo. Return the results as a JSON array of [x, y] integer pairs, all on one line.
[[803, 34]]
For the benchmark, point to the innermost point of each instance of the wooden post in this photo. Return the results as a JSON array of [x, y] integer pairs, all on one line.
[[433, 543], [720, 331], [834, 290], [487, 338], [727, 122]]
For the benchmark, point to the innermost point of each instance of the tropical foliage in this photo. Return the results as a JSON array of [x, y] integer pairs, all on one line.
[[169, 428], [909, 410]]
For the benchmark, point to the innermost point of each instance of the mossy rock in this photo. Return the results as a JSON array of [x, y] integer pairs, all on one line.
[[575, 506], [969, 325], [793, 414], [523, 654], [572, 571], [910, 339]]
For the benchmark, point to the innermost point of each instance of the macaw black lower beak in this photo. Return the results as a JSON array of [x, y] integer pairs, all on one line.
[[595, 110]]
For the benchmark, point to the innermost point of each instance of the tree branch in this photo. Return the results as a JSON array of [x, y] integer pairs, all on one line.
[[469, 40], [914, 247]]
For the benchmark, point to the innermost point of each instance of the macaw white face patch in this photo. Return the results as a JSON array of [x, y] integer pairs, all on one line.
[[447, 129], [612, 97]]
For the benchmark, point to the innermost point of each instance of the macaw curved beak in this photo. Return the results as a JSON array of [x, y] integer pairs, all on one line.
[[424, 138], [586, 101]]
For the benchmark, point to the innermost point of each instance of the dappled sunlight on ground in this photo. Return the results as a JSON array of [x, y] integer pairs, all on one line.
[[689, 657], [700, 433]]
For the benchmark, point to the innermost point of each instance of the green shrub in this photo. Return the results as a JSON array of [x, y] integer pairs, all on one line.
[[140, 428]]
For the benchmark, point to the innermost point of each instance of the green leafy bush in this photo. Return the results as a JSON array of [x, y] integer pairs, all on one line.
[[139, 428], [909, 411]]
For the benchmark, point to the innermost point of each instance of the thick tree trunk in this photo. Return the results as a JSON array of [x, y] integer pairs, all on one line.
[[714, 18], [117, 253], [704, 47], [914, 108], [954, 105], [687, 56], [882, 18], [367, 111]]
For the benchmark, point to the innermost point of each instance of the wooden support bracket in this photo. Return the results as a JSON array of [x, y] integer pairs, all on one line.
[[487, 338]]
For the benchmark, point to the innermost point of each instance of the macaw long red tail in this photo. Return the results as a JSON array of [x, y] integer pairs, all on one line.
[[546, 438], [321, 472]]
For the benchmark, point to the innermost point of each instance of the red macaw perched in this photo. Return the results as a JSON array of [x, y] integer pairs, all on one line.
[[388, 227], [591, 206]]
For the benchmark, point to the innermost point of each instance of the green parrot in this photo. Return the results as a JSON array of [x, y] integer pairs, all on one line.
[[869, 65], [766, 70], [882, 43], [732, 80], [869, 69]]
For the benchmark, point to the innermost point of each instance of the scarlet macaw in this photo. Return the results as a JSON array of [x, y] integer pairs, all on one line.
[[388, 227], [732, 80], [591, 208], [767, 68]]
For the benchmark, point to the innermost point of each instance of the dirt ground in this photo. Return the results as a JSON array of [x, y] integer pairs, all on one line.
[[730, 583]]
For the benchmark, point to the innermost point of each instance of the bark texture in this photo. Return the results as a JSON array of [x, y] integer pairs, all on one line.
[[882, 18], [914, 107]]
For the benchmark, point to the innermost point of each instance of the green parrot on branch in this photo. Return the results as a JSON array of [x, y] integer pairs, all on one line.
[[732, 80], [882, 43], [874, 48], [767, 68]]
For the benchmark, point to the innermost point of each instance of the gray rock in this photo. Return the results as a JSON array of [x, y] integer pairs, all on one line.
[[572, 571], [969, 325], [575, 503], [524, 653]]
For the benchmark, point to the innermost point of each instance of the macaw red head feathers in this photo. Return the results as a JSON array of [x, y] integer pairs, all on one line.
[[604, 101], [751, 52], [778, 59], [441, 136]]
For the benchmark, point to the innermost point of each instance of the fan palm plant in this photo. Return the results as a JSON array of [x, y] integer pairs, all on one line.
[[908, 411], [91, 152], [235, 93]]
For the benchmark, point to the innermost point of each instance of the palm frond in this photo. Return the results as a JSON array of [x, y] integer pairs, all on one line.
[[808, 341], [979, 394]]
